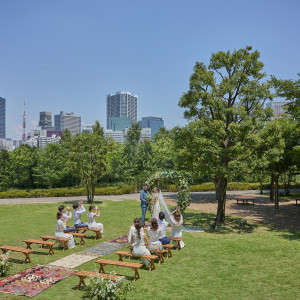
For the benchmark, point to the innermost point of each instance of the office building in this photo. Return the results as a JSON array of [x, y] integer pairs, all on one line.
[[87, 127], [145, 134], [117, 136], [68, 121], [152, 122], [278, 108], [123, 105], [46, 120], [119, 123], [17, 143], [6, 144], [2, 118]]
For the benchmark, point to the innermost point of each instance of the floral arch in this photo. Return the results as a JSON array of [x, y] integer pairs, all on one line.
[[181, 184]]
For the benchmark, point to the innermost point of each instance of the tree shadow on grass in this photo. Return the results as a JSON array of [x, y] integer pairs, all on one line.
[[204, 221], [289, 235]]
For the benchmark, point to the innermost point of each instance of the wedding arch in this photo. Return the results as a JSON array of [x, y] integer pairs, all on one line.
[[180, 181]]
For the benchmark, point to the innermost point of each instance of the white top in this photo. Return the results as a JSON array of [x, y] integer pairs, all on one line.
[[132, 230], [154, 236], [77, 214], [68, 215], [162, 226], [176, 226], [91, 217], [60, 226]]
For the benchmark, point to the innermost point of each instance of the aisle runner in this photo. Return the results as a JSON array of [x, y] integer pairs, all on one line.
[[122, 239], [102, 249], [73, 260], [34, 280]]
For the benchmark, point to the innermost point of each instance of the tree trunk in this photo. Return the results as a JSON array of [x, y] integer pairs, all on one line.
[[261, 185], [276, 193], [272, 188], [221, 187], [89, 194]]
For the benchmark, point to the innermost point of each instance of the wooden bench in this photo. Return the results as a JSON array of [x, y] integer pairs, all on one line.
[[85, 229], [132, 266], [79, 235], [168, 247], [26, 252], [83, 274], [46, 243], [178, 240], [50, 237], [244, 199], [160, 254], [151, 258]]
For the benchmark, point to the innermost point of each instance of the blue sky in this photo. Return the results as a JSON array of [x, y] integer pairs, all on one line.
[[69, 54]]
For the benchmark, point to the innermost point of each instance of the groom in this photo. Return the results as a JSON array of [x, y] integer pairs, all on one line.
[[144, 202]]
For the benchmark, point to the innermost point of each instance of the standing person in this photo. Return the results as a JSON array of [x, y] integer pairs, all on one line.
[[94, 212], [60, 227], [66, 217], [144, 202], [162, 226], [78, 211]]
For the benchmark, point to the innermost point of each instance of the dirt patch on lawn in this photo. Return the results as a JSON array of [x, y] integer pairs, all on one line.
[[288, 216]]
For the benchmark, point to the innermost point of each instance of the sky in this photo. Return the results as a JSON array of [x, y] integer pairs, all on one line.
[[67, 55]]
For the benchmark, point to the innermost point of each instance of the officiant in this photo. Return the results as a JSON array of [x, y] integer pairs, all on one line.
[[144, 202]]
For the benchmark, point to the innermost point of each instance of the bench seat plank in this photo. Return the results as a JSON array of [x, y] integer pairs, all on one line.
[[26, 252], [38, 242], [50, 237]]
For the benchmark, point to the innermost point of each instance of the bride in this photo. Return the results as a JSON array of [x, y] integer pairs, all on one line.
[[160, 205]]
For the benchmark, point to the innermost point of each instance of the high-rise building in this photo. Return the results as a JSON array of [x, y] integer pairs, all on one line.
[[152, 122], [46, 120], [87, 127], [278, 107], [117, 136], [68, 121], [119, 123], [2, 118], [122, 104]]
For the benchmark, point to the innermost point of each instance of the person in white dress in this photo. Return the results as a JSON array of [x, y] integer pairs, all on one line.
[[66, 217], [94, 212], [132, 229], [138, 240], [176, 222], [154, 233], [156, 206], [60, 227]]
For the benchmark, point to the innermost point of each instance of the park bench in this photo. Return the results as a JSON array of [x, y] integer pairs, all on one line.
[[178, 240], [83, 274], [168, 247], [151, 258], [132, 266], [26, 252], [160, 254], [85, 229], [79, 235], [46, 243], [50, 237], [244, 199]]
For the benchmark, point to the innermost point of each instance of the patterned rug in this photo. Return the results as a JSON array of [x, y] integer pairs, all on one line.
[[34, 280], [72, 261], [122, 239], [102, 249]]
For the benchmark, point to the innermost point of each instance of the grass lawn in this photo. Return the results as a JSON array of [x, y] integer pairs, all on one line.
[[231, 262]]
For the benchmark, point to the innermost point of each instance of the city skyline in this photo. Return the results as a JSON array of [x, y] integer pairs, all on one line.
[[63, 56]]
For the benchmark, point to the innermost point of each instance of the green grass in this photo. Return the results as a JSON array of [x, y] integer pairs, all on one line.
[[255, 262]]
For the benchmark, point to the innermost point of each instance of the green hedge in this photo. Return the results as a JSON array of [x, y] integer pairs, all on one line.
[[232, 186], [65, 192]]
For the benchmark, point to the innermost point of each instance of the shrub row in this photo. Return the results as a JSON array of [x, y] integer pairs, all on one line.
[[232, 186], [65, 192]]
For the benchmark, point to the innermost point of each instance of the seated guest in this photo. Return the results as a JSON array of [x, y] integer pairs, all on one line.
[[66, 217], [177, 221], [138, 240], [162, 226], [60, 227], [78, 211], [94, 212], [132, 229], [154, 233]]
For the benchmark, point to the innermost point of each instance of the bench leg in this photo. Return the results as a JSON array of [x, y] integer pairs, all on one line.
[[82, 242], [81, 282], [65, 246], [152, 265], [51, 250], [98, 235], [27, 258], [169, 254], [101, 270], [28, 246], [120, 257]]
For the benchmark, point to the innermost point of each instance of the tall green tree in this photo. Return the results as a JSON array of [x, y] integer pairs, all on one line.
[[89, 157], [5, 170], [225, 107]]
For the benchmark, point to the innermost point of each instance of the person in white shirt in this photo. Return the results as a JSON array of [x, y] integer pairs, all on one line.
[[177, 221], [132, 229], [94, 212], [66, 217], [154, 233], [78, 211], [59, 233], [162, 226]]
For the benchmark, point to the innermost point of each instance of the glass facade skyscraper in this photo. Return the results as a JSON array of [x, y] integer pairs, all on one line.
[[152, 122], [2, 118], [122, 104]]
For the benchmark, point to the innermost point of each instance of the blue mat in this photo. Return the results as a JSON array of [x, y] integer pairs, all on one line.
[[102, 249]]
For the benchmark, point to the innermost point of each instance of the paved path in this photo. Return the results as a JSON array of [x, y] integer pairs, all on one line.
[[134, 196]]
